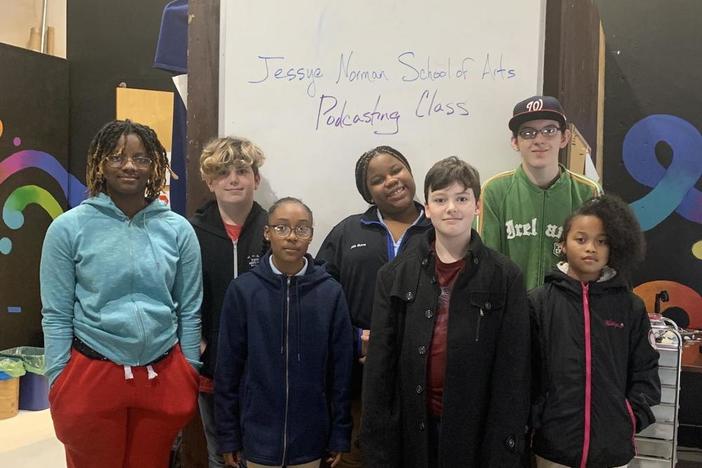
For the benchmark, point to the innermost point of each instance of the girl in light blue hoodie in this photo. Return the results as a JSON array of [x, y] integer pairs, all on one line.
[[121, 291]]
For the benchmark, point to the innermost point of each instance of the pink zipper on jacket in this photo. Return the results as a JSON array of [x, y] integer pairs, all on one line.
[[588, 374], [630, 411]]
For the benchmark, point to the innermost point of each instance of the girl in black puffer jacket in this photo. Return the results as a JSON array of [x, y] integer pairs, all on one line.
[[595, 367]]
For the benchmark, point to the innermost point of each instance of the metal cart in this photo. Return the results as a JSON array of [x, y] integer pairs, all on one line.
[[656, 445]]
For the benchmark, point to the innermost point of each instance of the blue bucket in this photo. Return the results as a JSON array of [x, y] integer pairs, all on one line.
[[34, 392]]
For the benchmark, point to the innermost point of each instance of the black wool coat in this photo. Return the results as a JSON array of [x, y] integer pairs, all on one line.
[[487, 377]]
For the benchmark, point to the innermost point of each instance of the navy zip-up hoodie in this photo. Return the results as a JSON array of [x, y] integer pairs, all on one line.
[[282, 382]]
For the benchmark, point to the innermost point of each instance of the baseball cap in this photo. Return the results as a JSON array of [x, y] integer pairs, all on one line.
[[537, 107]]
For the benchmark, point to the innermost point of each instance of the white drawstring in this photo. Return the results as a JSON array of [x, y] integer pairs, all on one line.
[[151, 371], [129, 375]]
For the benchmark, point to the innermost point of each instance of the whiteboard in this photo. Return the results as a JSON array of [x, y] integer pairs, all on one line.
[[316, 83]]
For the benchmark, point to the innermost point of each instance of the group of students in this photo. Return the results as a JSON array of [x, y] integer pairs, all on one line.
[[408, 341]]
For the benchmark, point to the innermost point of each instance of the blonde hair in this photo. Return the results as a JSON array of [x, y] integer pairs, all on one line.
[[223, 154]]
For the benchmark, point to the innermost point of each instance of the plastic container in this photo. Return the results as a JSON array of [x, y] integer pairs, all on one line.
[[10, 371], [34, 392], [9, 397], [33, 386]]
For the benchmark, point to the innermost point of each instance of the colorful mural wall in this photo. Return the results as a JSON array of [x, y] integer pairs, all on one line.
[[35, 186], [673, 194], [36, 126], [653, 145]]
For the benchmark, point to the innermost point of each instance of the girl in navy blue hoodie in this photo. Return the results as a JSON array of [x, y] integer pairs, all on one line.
[[284, 357]]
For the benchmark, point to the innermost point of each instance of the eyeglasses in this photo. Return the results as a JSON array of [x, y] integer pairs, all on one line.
[[119, 160], [529, 133], [302, 231]]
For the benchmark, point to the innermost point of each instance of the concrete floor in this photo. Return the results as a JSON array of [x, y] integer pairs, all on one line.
[[28, 441]]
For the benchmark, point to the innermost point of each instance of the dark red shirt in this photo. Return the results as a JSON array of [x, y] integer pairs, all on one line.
[[446, 274]]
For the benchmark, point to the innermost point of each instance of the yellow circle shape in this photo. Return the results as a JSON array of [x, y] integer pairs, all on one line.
[[697, 249], [1, 128]]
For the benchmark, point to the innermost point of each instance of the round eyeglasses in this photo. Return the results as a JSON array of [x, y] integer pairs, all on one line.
[[301, 231]]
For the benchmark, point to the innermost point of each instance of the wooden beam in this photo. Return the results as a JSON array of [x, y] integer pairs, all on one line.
[[571, 64], [203, 92], [203, 121], [599, 155]]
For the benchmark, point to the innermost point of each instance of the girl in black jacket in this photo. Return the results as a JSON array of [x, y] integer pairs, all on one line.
[[359, 245], [595, 367]]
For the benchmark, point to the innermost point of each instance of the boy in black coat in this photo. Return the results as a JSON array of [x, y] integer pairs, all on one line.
[[447, 374]]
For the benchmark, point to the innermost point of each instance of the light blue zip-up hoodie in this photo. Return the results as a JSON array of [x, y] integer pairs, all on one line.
[[129, 288]]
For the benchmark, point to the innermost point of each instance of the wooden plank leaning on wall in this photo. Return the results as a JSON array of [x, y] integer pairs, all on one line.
[[573, 69], [203, 91], [203, 112]]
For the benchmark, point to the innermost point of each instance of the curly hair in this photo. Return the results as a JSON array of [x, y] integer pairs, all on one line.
[[627, 246], [223, 154], [105, 143]]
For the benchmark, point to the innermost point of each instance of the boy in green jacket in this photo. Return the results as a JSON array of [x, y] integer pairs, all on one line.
[[522, 211]]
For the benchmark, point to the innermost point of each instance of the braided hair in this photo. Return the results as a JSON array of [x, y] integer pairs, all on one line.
[[105, 143], [362, 168]]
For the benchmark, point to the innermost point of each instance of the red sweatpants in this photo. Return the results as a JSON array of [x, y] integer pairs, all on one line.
[[107, 421]]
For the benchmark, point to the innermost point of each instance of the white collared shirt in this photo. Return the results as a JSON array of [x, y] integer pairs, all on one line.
[[278, 272]]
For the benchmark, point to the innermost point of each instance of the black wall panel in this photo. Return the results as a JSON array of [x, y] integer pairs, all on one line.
[[33, 181], [108, 43]]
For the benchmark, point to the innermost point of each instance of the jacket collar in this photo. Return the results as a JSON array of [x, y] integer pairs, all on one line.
[[607, 272], [370, 216], [474, 253], [555, 186], [406, 283], [610, 280], [314, 272], [302, 271]]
